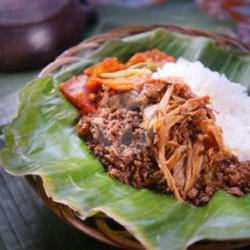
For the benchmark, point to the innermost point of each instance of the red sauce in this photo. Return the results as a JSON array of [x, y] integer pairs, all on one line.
[[76, 91]]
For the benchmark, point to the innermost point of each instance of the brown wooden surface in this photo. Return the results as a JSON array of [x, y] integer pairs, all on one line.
[[33, 32]]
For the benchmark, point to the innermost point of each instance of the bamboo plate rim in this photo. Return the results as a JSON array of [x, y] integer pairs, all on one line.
[[70, 56]]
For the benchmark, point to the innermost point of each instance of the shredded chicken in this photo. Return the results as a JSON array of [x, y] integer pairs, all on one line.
[[184, 134]]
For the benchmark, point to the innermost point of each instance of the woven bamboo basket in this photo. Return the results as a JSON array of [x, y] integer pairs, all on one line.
[[99, 226]]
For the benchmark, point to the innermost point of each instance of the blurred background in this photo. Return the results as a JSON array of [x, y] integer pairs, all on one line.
[[32, 34]]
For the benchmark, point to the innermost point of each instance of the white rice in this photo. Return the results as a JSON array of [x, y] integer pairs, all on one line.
[[229, 99]]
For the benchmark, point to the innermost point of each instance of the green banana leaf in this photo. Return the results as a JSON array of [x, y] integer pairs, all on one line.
[[41, 140]]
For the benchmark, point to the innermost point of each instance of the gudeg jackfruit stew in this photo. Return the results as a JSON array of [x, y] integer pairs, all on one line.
[[163, 124]]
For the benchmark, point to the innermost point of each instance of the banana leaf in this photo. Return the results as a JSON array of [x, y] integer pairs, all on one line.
[[41, 140]]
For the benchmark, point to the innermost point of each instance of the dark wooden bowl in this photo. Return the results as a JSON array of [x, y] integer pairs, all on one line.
[[34, 32]]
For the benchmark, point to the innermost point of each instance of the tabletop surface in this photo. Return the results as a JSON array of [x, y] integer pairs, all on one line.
[[25, 222]]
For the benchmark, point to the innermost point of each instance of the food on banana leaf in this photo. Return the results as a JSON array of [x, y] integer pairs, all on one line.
[[172, 127]]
